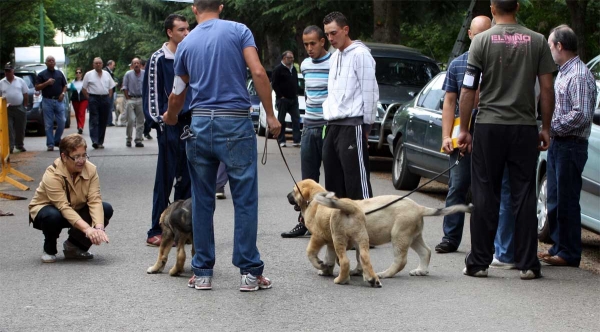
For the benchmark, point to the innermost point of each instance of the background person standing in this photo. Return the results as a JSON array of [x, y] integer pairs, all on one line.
[[315, 70], [349, 109], [575, 95], [172, 163], [110, 67], [132, 89], [16, 92], [506, 134], [53, 84], [78, 99], [285, 85], [98, 88]]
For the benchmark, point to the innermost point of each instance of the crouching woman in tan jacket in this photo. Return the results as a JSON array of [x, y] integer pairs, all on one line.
[[69, 197]]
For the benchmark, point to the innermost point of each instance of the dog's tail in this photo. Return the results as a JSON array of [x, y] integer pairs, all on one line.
[[345, 205], [447, 210]]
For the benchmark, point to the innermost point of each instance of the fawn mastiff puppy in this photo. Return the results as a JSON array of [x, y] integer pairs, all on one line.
[[176, 224], [401, 223]]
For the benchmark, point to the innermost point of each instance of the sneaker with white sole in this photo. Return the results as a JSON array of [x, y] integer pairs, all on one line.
[[250, 283], [497, 264], [530, 274], [202, 283], [47, 258], [478, 274]]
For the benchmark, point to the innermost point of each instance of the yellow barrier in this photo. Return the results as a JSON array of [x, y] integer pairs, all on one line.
[[5, 151]]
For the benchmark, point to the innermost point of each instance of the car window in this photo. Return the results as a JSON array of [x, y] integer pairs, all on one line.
[[392, 71], [432, 94], [595, 69], [27, 78]]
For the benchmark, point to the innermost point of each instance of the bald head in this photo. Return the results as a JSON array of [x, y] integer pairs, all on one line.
[[479, 24]]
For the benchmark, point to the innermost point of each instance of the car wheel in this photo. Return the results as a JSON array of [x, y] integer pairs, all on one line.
[[542, 212], [402, 178]]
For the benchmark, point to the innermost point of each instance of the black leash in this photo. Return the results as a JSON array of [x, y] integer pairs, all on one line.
[[264, 161], [414, 190]]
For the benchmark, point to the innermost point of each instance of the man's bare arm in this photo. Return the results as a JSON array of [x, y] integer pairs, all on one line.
[[448, 111], [547, 109], [176, 99]]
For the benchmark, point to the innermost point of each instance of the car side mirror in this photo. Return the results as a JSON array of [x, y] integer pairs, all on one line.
[[596, 119], [441, 106]]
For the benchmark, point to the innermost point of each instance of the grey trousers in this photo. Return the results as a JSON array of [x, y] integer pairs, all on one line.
[[17, 121], [135, 116]]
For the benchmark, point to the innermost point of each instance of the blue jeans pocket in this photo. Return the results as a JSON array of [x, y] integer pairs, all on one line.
[[242, 149]]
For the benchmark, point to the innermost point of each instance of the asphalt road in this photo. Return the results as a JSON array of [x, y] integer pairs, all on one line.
[[113, 292]]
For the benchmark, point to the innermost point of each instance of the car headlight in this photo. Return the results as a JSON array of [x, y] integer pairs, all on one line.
[[380, 110]]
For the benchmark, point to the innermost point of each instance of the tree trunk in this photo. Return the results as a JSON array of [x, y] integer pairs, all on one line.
[[577, 8], [386, 21]]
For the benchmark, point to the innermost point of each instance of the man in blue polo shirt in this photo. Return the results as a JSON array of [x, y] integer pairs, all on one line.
[[212, 61], [53, 84]]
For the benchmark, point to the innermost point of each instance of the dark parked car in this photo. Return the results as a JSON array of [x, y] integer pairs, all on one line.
[[416, 137], [400, 72], [35, 118], [255, 101]]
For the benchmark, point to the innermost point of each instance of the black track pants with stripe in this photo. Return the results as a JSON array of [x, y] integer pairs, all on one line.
[[346, 162]]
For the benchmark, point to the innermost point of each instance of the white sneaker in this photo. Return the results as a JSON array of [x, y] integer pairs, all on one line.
[[496, 264], [46, 258], [282, 145]]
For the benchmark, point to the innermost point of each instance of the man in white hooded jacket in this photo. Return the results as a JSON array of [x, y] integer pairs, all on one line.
[[349, 110]]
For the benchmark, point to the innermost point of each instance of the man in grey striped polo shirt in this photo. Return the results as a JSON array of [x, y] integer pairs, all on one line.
[[315, 70]]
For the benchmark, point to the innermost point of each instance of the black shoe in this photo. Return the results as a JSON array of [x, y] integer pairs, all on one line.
[[147, 136], [128, 144], [95, 145], [80, 131], [220, 193], [139, 145], [110, 125], [297, 231], [445, 247]]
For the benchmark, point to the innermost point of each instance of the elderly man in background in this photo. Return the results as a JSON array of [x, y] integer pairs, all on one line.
[[15, 90], [98, 88], [132, 89], [53, 84], [575, 95]]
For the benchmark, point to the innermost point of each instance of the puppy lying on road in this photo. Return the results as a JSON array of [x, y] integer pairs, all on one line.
[[401, 223], [176, 224]]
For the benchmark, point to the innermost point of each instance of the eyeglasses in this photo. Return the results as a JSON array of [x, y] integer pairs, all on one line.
[[83, 157], [77, 72]]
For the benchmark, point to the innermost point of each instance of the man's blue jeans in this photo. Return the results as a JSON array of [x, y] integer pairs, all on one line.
[[458, 186], [566, 160], [53, 110], [230, 140], [503, 242], [311, 152]]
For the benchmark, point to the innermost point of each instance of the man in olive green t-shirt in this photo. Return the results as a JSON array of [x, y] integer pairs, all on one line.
[[508, 58]]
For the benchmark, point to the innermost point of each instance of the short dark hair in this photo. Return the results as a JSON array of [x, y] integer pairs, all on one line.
[[70, 143], [169, 22], [207, 5], [505, 6], [566, 36], [286, 52], [338, 17], [313, 28]]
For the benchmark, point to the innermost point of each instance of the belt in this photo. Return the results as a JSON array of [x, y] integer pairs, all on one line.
[[235, 113], [52, 97], [130, 96], [570, 138], [93, 95]]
